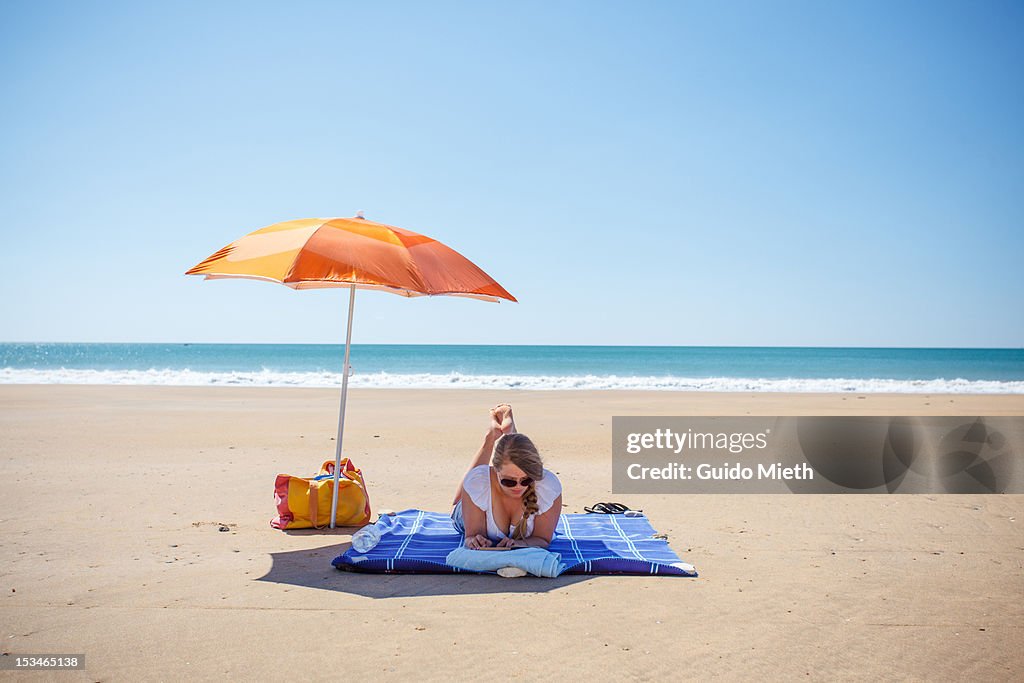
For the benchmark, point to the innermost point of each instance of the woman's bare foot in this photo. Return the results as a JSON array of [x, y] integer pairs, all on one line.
[[501, 415]]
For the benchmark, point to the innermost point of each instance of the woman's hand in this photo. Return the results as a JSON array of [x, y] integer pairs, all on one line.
[[478, 541], [510, 543]]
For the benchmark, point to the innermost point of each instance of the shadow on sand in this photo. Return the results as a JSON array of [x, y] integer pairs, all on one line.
[[312, 568]]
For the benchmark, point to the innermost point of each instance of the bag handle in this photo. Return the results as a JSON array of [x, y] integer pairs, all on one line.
[[346, 467], [314, 504]]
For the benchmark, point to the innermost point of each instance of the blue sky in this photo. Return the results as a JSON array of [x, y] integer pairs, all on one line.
[[786, 173]]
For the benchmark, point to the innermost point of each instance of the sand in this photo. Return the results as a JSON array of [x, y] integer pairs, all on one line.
[[114, 497]]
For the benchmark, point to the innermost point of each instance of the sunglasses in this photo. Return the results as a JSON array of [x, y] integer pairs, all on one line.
[[510, 483]]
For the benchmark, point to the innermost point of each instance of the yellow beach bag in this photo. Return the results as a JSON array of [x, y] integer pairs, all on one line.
[[306, 503]]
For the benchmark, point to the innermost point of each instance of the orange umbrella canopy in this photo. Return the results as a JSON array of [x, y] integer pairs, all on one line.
[[342, 252]]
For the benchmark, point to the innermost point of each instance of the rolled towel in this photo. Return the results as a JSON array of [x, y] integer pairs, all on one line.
[[536, 561]]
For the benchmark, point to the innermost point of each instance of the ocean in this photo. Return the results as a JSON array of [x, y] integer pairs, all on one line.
[[668, 368]]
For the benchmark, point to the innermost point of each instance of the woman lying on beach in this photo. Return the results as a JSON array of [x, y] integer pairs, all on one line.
[[514, 492]]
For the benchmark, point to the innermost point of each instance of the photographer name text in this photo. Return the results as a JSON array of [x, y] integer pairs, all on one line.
[[727, 472]]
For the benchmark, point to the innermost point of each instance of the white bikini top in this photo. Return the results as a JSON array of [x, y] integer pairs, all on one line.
[[478, 485]]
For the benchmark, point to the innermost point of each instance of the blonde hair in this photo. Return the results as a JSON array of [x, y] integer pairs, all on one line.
[[520, 451]]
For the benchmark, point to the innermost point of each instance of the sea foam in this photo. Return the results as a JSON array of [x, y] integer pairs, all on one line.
[[386, 380]]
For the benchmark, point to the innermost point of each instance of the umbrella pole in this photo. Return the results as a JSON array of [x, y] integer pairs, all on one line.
[[341, 413]]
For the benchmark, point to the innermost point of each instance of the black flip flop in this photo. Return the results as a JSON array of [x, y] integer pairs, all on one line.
[[608, 509]]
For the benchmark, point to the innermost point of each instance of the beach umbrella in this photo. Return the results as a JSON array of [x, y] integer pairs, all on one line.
[[355, 253]]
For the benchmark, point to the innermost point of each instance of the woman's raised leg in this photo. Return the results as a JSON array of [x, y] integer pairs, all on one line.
[[501, 423]]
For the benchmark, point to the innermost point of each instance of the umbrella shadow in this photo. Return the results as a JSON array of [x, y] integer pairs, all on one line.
[[312, 568]]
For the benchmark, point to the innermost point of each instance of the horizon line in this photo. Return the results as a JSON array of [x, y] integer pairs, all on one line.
[[652, 346]]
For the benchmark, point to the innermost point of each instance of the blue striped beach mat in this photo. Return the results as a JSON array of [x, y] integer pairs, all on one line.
[[417, 541]]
